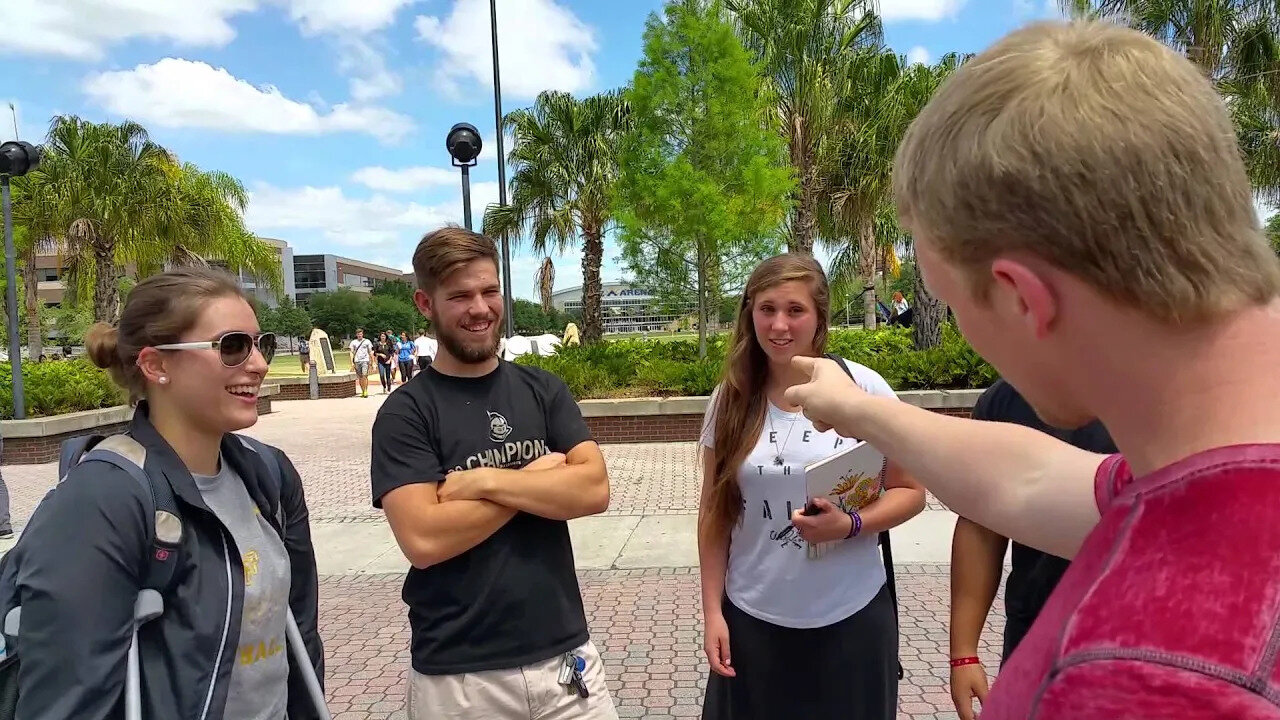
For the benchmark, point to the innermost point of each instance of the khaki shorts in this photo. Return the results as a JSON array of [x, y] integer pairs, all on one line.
[[530, 692]]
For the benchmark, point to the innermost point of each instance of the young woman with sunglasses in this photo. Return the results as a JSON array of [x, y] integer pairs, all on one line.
[[788, 632], [189, 351]]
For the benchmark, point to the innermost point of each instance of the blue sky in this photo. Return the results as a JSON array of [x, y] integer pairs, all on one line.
[[334, 112]]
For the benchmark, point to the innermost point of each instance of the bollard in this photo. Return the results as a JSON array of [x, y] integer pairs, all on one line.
[[315, 382]]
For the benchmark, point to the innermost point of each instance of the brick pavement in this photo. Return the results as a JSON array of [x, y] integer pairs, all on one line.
[[648, 628]]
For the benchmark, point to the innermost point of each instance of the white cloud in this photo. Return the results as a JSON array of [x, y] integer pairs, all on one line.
[[927, 10], [918, 54], [183, 93], [365, 65], [408, 179], [542, 45], [489, 146], [83, 29], [386, 230], [344, 220], [360, 16]]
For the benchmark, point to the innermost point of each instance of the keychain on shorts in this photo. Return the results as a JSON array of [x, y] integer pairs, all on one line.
[[571, 667]]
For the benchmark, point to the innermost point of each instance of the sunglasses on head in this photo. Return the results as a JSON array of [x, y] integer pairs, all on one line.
[[234, 347]]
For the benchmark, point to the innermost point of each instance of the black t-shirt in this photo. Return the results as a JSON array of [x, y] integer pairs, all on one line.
[[1034, 574], [513, 599]]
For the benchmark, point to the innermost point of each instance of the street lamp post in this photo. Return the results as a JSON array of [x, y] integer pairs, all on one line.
[[466, 196], [502, 171], [463, 143], [16, 159]]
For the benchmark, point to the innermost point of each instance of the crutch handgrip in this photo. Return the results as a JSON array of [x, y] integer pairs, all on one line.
[[148, 607], [13, 621]]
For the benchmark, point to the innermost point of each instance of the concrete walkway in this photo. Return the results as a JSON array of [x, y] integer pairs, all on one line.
[[606, 542]]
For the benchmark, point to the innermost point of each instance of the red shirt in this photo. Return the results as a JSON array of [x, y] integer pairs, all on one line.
[[1171, 609]]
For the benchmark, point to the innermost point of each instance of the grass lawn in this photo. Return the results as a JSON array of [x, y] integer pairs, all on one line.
[[290, 365]]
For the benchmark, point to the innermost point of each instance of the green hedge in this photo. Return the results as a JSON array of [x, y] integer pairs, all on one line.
[[638, 368], [59, 386]]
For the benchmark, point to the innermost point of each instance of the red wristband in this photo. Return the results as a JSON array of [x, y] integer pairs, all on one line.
[[957, 662]]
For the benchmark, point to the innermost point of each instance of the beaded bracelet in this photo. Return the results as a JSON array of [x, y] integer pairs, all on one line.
[[856, 527]]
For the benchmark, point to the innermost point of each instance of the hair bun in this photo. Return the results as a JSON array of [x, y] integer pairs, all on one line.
[[101, 343]]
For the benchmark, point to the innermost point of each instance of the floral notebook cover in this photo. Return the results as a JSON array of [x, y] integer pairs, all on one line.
[[850, 480]]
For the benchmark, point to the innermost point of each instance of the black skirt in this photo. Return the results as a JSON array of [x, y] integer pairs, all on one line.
[[844, 671]]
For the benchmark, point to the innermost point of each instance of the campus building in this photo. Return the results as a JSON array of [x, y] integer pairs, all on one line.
[[325, 273], [258, 290], [301, 275], [626, 308]]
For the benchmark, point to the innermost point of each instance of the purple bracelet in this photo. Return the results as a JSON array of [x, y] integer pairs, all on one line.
[[856, 527]]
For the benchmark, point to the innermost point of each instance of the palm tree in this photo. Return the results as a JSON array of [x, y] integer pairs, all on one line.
[[802, 48], [545, 279], [109, 197], [564, 162], [881, 94], [202, 219], [114, 183], [1236, 43]]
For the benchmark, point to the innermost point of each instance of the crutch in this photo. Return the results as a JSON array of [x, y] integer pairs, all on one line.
[[146, 608], [308, 670], [149, 606]]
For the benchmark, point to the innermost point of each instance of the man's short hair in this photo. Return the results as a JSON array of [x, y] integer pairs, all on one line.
[[1100, 151], [441, 251]]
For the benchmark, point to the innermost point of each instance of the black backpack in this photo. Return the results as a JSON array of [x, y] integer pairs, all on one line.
[[127, 454], [886, 547]]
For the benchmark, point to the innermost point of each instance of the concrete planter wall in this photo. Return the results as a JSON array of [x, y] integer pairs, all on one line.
[[37, 440], [679, 419], [631, 420], [342, 385]]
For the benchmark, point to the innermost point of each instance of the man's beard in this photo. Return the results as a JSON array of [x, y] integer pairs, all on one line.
[[470, 354]]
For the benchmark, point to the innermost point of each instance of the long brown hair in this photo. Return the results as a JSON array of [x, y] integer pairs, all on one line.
[[740, 399]]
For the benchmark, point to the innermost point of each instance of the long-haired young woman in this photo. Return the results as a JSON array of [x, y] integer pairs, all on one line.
[[189, 350], [790, 632]]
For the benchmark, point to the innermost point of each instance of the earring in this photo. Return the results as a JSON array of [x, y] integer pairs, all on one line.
[[164, 379]]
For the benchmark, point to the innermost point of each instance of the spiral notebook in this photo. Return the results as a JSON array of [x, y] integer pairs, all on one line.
[[850, 480]]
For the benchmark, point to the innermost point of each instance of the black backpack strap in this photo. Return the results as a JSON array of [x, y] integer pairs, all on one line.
[[273, 471], [72, 450], [165, 534], [886, 546]]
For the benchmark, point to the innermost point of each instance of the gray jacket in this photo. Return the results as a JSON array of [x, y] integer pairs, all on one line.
[[80, 566]]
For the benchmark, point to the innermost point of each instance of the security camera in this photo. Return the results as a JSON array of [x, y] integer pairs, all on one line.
[[463, 143], [19, 158]]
